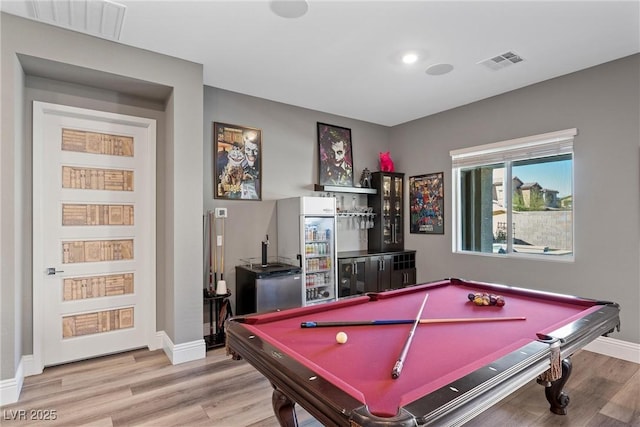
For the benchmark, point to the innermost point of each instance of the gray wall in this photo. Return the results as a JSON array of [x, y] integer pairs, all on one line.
[[603, 103], [108, 72], [289, 167]]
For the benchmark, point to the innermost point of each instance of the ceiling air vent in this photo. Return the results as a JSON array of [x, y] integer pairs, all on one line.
[[501, 61], [102, 18]]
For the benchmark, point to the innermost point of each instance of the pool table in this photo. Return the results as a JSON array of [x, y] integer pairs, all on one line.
[[452, 371]]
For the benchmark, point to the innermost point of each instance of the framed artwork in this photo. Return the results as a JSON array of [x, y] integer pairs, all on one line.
[[335, 156], [426, 203], [237, 160]]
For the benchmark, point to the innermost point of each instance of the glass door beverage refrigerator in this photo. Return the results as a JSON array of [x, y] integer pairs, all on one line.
[[307, 232]]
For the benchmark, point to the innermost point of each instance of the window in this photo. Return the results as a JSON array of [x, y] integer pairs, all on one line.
[[515, 198]]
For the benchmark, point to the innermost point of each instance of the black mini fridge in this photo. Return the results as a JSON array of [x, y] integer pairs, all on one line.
[[274, 287]]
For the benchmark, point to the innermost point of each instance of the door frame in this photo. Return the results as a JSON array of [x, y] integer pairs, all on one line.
[[40, 111]]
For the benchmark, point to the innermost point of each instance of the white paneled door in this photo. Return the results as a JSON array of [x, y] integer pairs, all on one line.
[[93, 233]]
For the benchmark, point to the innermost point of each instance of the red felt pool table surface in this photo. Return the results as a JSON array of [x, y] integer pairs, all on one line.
[[439, 353]]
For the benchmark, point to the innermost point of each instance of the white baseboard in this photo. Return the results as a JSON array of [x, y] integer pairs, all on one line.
[[31, 365], [157, 341], [10, 389], [185, 352], [615, 348]]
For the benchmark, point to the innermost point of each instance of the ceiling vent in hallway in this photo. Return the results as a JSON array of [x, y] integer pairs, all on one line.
[[501, 61], [102, 18]]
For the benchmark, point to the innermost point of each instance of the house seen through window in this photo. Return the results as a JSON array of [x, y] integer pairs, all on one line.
[[515, 197]]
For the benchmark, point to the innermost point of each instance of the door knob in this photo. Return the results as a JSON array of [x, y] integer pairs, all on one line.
[[51, 271]]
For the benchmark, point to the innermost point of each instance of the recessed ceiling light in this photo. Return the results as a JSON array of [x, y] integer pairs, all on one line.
[[408, 55], [439, 69], [409, 58], [289, 8]]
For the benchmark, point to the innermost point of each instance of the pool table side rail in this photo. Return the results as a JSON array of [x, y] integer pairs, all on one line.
[[461, 400], [466, 397], [577, 334], [545, 295], [280, 369], [269, 316], [493, 288]]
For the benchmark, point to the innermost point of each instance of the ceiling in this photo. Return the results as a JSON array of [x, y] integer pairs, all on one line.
[[344, 57]]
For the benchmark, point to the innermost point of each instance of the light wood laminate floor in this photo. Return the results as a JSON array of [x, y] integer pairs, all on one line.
[[143, 388]]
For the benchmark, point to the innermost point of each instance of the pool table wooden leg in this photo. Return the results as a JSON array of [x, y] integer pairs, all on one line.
[[284, 408], [554, 394]]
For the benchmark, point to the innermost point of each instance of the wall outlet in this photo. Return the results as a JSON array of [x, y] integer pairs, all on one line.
[[221, 212], [219, 241]]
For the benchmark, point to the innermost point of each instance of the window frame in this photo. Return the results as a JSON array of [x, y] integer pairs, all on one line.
[[505, 153]]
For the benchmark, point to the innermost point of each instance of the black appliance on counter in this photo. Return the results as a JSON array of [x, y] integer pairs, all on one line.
[[274, 286]]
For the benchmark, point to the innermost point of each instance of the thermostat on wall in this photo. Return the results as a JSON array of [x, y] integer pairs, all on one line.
[[221, 212]]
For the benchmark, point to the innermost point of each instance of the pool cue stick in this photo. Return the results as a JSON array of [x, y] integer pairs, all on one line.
[[222, 284], [397, 368], [206, 272], [472, 319], [311, 324], [222, 250], [212, 263], [214, 252]]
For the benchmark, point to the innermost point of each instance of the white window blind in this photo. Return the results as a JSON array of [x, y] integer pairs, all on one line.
[[544, 145]]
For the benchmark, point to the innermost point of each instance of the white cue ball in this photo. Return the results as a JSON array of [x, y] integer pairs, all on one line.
[[341, 337]]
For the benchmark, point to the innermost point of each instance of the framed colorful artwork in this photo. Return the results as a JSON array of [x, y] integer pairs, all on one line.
[[335, 156], [237, 159], [426, 203]]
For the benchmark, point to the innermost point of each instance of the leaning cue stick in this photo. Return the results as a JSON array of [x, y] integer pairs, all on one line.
[[311, 324], [212, 266], [214, 252], [221, 289], [397, 368], [222, 251]]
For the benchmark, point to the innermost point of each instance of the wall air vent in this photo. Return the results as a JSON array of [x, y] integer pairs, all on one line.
[[102, 18], [501, 61]]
